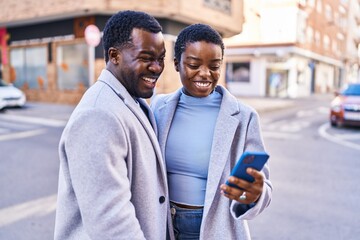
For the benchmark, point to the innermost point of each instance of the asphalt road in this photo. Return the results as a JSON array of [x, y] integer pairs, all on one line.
[[29, 168], [314, 169], [315, 172]]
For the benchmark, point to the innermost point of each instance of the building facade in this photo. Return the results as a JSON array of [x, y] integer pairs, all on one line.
[[44, 50], [294, 48]]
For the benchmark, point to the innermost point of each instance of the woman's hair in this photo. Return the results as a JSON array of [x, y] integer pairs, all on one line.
[[196, 33], [118, 29]]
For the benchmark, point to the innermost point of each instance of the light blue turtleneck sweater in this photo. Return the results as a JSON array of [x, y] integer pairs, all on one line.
[[188, 147]]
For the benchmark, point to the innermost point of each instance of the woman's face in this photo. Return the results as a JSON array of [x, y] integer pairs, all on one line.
[[199, 68]]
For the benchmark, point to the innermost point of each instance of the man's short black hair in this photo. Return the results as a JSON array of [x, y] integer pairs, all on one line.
[[117, 31], [196, 33]]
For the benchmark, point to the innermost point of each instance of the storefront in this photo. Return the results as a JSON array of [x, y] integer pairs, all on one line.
[[283, 72]]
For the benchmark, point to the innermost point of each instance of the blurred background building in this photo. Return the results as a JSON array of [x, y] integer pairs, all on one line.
[[274, 48], [294, 48], [45, 52]]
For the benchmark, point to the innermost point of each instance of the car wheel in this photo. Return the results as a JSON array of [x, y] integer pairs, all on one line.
[[333, 123]]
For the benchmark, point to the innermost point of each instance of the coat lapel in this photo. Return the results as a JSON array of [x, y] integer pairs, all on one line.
[[129, 101], [164, 123], [225, 128]]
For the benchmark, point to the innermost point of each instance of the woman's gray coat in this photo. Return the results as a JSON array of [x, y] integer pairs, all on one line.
[[237, 130], [112, 181]]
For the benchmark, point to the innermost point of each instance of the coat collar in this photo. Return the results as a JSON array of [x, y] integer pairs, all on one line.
[[133, 104], [148, 123], [225, 129]]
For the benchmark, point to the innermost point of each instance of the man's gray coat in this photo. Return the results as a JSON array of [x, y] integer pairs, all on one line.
[[112, 180], [237, 130]]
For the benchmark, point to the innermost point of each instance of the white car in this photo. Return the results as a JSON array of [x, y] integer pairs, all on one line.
[[10, 96]]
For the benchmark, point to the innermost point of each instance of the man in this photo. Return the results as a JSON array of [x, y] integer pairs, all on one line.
[[112, 181]]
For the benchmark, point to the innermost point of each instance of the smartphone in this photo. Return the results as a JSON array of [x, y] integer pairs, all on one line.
[[254, 160]]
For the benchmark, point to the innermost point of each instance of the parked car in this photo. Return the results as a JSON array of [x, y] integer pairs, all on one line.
[[10, 96], [345, 108]]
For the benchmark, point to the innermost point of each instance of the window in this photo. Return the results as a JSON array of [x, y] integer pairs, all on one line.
[[29, 67], [317, 38], [72, 66], [238, 72], [328, 13], [309, 34], [319, 6], [326, 41], [334, 47], [343, 22], [311, 3]]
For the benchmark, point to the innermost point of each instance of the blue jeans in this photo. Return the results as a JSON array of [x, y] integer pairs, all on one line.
[[186, 222]]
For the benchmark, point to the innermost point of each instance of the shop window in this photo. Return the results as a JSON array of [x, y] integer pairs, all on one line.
[[277, 83], [238, 72], [28, 67], [72, 66]]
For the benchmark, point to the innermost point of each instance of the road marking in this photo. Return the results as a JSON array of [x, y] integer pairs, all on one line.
[[304, 113], [281, 135], [286, 126], [348, 136], [4, 130], [12, 136], [322, 131], [36, 120], [35, 208], [324, 110], [295, 126]]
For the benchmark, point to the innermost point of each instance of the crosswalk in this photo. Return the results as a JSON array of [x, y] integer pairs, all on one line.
[[14, 127], [293, 127], [34, 208], [20, 135], [33, 120]]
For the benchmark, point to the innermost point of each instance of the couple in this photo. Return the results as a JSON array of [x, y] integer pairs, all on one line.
[[117, 182]]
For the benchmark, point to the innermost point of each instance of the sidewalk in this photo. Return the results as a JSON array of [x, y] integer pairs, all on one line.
[[265, 104]]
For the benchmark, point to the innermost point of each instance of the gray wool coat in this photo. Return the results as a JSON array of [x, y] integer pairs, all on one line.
[[237, 130], [112, 179]]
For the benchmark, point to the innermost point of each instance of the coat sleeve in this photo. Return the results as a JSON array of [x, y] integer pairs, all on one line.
[[254, 142], [97, 149]]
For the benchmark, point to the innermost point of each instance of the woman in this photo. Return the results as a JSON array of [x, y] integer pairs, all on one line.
[[203, 130]]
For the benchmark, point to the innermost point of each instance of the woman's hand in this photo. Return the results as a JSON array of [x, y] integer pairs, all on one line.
[[248, 192]]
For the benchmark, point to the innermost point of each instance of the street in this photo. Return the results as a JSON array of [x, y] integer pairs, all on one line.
[[29, 170], [315, 173], [314, 170]]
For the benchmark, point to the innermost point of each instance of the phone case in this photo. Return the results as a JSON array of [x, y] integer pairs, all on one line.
[[254, 160]]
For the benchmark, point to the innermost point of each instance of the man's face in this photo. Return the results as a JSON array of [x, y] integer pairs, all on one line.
[[139, 66], [199, 68]]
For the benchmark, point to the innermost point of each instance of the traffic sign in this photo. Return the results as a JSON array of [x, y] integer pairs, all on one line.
[[92, 35]]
